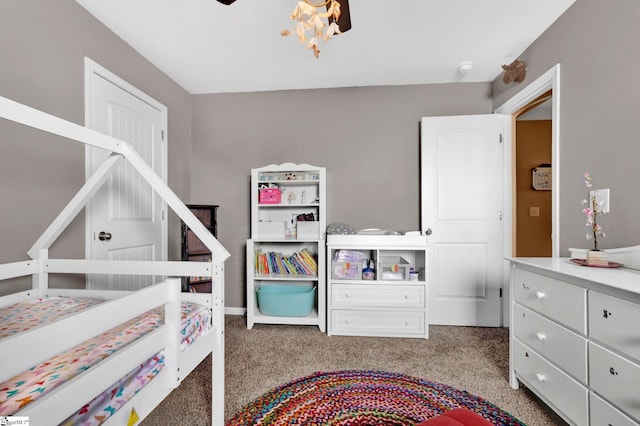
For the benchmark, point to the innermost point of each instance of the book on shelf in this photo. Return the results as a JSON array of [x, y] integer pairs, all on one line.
[[301, 263]]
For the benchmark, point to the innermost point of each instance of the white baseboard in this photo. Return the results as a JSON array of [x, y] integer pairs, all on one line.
[[235, 311]]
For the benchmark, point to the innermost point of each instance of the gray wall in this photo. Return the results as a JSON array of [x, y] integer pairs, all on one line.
[[42, 48], [367, 138], [596, 44]]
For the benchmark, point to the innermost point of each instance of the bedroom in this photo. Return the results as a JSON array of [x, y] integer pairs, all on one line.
[[42, 45]]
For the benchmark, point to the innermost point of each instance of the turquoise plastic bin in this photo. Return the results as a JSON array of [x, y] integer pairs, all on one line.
[[283, 300]]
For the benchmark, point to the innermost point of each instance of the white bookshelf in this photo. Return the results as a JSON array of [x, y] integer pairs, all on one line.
[[276, 228]]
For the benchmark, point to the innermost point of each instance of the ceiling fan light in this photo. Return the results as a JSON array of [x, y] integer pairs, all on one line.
[[344, 21]]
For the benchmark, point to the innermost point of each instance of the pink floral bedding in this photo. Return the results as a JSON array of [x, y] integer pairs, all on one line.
[[28, 314], [24, 388]]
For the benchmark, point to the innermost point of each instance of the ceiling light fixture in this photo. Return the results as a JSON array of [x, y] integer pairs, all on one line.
[[308, 18]]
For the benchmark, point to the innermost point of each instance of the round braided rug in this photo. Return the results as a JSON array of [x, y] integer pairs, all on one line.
[[362, 398]]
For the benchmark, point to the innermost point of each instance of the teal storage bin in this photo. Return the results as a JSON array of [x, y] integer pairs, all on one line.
[[284, 300]]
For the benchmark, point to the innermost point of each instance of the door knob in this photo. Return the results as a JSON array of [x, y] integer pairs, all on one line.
[[428, 231], [104, 236]]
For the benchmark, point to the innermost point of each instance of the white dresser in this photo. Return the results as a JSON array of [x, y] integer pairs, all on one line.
[[392, 301], [575, 339]]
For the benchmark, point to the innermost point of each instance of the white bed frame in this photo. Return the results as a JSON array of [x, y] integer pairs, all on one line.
[[21, 351]]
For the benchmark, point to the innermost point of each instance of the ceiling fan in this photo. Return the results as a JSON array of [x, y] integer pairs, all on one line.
[[344, 21]]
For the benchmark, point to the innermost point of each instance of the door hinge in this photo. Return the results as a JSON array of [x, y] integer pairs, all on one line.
[[500, 292], [162, 135], [500, 137], [162, 214]]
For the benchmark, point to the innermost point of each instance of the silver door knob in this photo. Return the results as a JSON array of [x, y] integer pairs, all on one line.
[[104, 236], [428, 231]]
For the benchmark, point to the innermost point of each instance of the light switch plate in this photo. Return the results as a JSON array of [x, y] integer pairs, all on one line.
[[602, 197]]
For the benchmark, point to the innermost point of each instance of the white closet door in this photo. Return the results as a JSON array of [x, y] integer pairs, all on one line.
[[126, 220]]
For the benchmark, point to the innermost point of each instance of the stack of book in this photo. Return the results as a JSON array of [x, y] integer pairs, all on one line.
[[298, 264]]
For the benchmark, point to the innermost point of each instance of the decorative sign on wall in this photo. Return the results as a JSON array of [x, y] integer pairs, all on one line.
[[541, 178]]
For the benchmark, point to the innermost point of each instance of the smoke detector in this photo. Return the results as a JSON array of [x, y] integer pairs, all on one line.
[[465, 67]]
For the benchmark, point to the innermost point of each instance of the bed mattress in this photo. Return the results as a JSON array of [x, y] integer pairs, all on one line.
[[30, 385]]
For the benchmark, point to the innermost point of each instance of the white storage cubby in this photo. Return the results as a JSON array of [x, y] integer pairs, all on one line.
[[287, 217], [391, 303]]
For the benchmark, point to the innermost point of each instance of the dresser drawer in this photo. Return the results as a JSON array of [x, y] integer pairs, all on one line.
[[373, 295], [614, 322], [371, 323], [603, 413], [559, 345], [558, 300], [615, 378], [567, 394]]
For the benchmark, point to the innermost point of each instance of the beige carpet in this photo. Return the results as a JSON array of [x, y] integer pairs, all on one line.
[[257, 360]]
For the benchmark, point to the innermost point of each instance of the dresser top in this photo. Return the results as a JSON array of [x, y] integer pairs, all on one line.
[[624, 279]]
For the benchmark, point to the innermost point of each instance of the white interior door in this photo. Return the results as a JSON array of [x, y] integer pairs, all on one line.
[[126, 219], [462, 203]]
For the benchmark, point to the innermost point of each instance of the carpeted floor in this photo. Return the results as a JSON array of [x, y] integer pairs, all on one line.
[[258, 360]]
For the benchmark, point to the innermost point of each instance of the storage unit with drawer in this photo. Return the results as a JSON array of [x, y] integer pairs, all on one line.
[[575, 340], [388, 301]]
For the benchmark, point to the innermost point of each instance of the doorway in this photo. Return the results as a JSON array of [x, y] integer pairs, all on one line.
[[533, 171], [549, 81]]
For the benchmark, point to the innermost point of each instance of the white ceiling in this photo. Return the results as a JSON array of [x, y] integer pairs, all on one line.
[[207, 47]]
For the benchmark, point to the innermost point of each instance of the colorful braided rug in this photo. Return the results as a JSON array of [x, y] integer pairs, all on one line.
[[362, 398]]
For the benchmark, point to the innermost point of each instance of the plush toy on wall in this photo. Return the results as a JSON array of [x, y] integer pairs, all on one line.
[[514, 72]]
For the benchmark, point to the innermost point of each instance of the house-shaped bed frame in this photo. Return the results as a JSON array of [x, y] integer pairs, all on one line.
[[23, 350]]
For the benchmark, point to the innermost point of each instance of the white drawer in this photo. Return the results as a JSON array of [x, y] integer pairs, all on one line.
[[615, 378], [555, 299], [614, 322], [559, 345], [373, 295], [567, 394], [377, 323], [603, 413]]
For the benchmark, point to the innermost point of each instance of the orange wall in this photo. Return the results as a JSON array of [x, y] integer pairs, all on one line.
[[533, 148]]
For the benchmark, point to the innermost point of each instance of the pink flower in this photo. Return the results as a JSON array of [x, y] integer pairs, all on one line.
[[592, 211]]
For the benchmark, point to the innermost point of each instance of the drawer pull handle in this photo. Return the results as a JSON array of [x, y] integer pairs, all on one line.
[[406, 296], [406, 323], [540, 294], [346, 295], [540, 377], [541, 336], [606, 313], [613, 371]]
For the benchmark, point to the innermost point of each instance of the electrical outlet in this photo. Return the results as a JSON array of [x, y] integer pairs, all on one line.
[[602, 197], [534, 211]]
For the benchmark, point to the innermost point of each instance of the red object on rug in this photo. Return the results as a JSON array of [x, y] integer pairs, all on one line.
[[457, 417]]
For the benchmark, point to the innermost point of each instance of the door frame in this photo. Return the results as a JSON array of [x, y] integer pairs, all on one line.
[[91, 67], [550, 80]]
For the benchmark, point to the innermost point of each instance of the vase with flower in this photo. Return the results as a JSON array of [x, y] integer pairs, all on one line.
[[593, 208]]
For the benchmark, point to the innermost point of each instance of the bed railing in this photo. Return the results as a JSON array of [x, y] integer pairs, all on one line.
[[41, 265]]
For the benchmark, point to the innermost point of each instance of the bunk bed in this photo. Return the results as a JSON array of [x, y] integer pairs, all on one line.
[[29, 348]]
